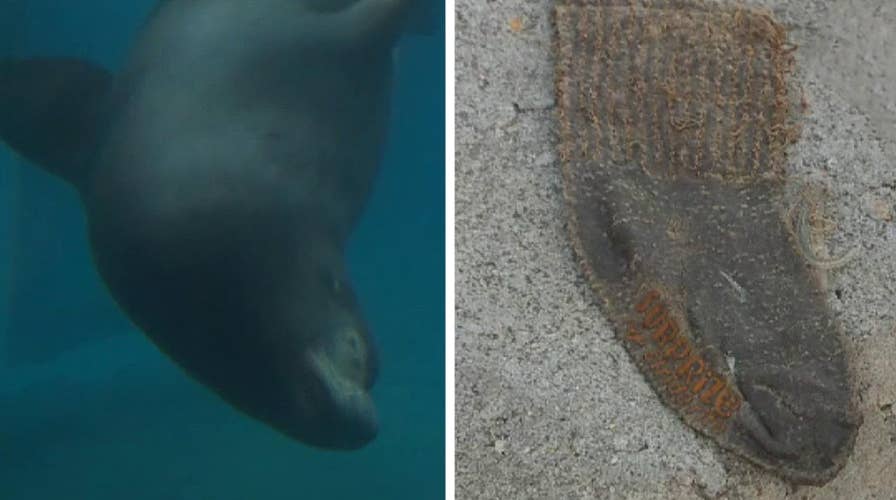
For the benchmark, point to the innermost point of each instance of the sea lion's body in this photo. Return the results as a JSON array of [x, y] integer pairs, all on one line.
[[306, 123], [228, 163]]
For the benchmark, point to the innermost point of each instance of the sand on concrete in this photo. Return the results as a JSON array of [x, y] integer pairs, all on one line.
[[548, 403]]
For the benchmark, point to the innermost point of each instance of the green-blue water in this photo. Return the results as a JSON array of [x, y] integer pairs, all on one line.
[[88, 407]]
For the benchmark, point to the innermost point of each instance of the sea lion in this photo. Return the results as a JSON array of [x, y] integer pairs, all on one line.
[[221, 172]]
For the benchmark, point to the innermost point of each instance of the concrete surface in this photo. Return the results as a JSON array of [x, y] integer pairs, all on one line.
[[548, 403]]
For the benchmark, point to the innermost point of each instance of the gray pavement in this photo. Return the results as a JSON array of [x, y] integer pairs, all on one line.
[[548, 403]]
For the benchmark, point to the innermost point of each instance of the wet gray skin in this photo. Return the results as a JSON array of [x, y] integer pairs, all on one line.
[[222, 171]]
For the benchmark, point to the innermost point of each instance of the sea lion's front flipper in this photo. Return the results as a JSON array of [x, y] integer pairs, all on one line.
[[49, 109]]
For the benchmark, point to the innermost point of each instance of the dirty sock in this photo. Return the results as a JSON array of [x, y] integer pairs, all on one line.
[[674, 121]]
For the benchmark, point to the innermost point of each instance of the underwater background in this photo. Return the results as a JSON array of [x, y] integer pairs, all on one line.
[[89, 409]]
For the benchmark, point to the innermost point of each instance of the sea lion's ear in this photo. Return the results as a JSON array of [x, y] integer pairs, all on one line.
[[49, 111]]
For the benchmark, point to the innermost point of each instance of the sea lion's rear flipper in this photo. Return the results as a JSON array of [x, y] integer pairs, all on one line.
[[49, 109]]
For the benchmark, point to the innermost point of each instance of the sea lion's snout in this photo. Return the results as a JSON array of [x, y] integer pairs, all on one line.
[[339, 412], [349, 416]]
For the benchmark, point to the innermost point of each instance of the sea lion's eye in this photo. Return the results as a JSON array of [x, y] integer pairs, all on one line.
[[331, 281]]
